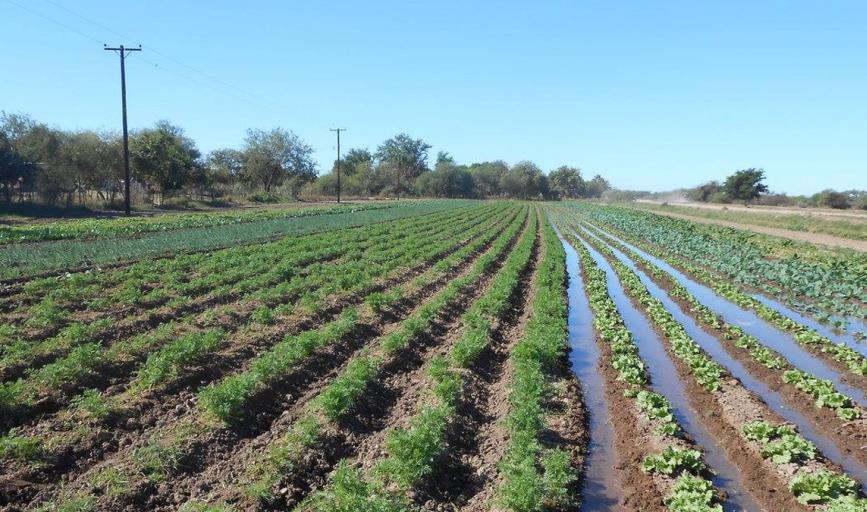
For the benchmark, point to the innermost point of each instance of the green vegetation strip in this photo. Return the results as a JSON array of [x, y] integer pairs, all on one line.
[[158, 459], [88, 357], [534, 477], [817, 282], [17, 260], [678, 465], [123, 226], [820, 389], [411, 452], [227, 399], [215, 276], [342, 393], [780, 444]]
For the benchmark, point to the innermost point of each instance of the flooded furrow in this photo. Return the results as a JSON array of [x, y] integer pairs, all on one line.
[[601, 488], [664, 380], [770, 336], [825, 330], [774, 400]]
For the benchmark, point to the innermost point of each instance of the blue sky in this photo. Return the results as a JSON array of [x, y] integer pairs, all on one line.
[[653, 95]]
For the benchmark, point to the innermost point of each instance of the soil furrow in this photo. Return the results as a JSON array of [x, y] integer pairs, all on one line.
[[168, 407], [165, 405], [389, 401]]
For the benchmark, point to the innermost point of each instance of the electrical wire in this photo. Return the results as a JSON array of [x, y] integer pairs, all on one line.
[[221, 86]]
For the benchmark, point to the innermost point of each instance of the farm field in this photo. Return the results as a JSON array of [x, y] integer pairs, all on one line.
[[429, 355]]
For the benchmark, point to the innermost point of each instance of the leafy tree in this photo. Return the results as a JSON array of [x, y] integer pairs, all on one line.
[[14, 170], [163, 158], [404, 158], [270, 157], [745, 185], [526, 181], [832, 199], [43, 146], [704, 192], [223, 168], [487, 177], [597, 186], [444, 160], [93, 161], [355, 160], [567, 182], [447, 180]]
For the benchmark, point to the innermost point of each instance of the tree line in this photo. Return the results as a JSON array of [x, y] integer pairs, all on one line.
[[44, 164], [747, 186]]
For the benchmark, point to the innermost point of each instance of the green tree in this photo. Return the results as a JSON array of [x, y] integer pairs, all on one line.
[[447, 180], [526, 181], [487, 177], [597, 186], [404, 159], [832, 199], [567, 182], [223, 169], [270, 157], [355, 160], [704, 192], [14, 170], [745, 185], [163, 158]]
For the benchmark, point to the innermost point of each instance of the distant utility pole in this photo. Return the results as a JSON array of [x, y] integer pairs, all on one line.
[[338, 130], [123, 51]]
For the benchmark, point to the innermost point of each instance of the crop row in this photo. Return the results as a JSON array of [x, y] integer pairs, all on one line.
[[411, 452], [820, 390], [338, 397], [681, 474], [88, 356], [537, 477], [834, 282], [796, 460], [165, 365], [151, 284], [21, 260], [119, 227], [803, 388], [227, 400]]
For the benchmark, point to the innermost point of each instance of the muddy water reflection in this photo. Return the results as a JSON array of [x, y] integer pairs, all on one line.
[[766, 333], [601, 487], [665, 380], [774, 400]]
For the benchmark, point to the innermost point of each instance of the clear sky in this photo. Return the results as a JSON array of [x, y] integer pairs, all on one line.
[[653, 95]]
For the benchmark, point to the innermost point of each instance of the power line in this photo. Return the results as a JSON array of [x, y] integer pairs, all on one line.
[[52, 20], [156, 51]]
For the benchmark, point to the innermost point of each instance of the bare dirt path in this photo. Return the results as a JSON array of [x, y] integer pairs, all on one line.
[[857, 215], [815, 238]]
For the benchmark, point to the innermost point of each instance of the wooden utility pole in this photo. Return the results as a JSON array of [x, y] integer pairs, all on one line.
[[338, 130], [123, 51]]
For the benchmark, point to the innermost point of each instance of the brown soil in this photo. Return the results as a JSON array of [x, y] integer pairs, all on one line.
[[136, 320], [466, 478], [631, 442], [802, 236], [115, 375], [640, 493], [850, 436], [391, 401], [165, 408]]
